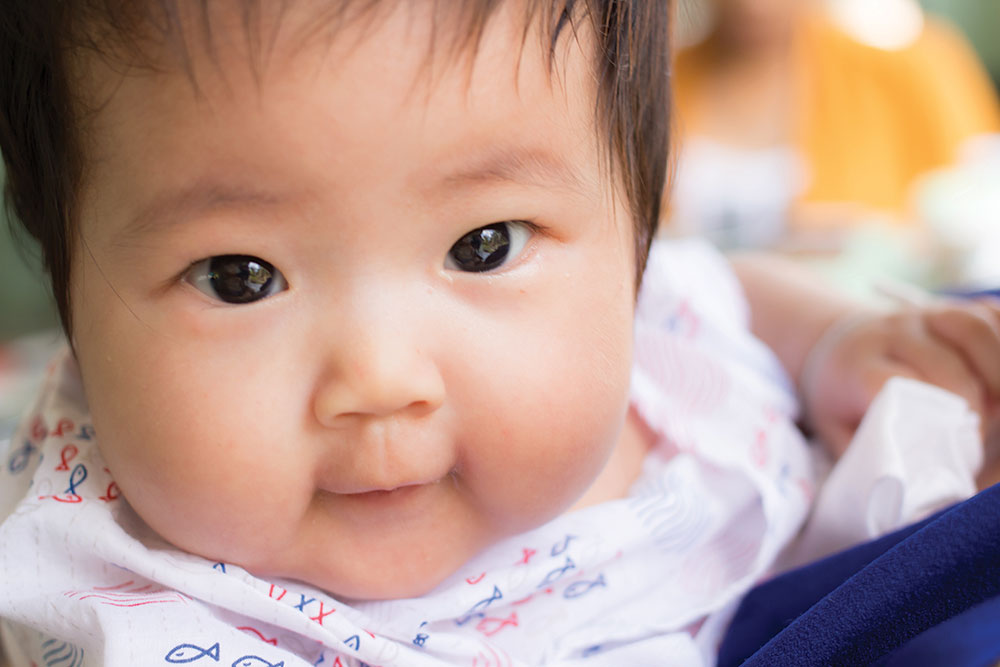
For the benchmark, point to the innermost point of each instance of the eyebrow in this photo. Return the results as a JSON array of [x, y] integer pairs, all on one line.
[[521, 166], [174, 207], [508, 165]]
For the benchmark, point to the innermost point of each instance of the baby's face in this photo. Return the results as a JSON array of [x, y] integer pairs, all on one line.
[[347, 322]]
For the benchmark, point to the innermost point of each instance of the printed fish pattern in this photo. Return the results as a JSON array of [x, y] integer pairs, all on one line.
[[187, 653]]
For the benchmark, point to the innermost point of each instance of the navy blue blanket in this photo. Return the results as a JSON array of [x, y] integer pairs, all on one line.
[[925, 595]]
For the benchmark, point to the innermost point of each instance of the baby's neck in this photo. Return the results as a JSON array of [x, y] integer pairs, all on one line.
[[624, 465]]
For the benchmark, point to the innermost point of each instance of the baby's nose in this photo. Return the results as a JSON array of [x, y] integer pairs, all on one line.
[[379, 370]]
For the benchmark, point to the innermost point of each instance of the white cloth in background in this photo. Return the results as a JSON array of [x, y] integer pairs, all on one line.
[[645, 580], [735, 197]]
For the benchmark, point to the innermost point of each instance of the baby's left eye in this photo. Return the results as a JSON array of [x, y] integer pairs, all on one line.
[[488, 248], [236, 279]]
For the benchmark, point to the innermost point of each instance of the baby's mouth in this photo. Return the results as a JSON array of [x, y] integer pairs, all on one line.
[[388, 488], [385, 493], [407, 500], [399, 498], [398, 493]]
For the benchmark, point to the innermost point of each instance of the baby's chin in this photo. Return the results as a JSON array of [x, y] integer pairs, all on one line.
[[386, 584], [394, 588], [372, 577]]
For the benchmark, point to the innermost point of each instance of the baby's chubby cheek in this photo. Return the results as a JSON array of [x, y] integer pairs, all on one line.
[[565, 407], [197, 447]]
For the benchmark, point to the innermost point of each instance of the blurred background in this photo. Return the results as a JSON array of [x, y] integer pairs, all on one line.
[[29, 332], [860, 137]]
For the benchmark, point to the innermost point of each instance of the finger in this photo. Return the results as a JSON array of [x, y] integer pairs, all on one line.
[[837, 425], [939, 365], [836, 436], [974, 331]]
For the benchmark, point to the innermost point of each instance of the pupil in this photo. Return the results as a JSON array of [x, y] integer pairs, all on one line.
[[482, 249], [240, 279]]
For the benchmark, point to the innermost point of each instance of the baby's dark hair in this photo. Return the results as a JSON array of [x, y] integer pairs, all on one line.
[[42, 114]]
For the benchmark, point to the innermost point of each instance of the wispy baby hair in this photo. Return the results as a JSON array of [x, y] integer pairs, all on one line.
[[43, 113]]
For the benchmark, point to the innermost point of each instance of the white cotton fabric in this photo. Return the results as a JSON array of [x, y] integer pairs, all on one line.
[[917, 451], [645, 580]]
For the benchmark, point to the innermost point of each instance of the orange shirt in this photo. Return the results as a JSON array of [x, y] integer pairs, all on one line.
[[868, 120]]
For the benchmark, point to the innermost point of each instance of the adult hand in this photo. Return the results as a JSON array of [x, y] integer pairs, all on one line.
[[954, 345]]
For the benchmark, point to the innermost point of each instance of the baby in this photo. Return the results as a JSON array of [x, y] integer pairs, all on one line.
[[352, 291]]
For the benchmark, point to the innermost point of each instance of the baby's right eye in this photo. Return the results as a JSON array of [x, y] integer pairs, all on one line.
[[236, 279]]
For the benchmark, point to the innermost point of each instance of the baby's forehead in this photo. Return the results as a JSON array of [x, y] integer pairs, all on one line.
[[222, 47], [370, 98]]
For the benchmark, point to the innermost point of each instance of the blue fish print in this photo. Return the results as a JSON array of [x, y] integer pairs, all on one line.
[[20, 457], [558, 573], [185, 653], [477, 610], [579, 588], [76, 478], [254, 661]]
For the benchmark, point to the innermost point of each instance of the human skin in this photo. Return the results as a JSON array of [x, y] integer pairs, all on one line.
[[386, 416], [952, 344]]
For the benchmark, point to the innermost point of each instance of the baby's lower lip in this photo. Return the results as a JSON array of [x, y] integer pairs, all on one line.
[[381, 493], [385, 495]]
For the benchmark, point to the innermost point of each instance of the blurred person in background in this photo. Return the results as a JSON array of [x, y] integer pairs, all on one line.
[[800, 119]]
